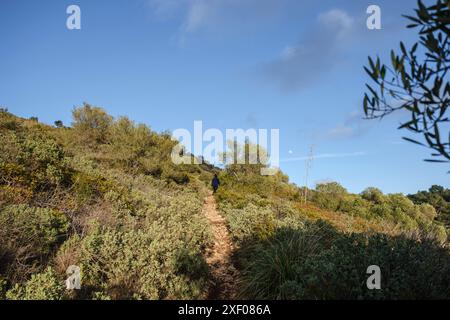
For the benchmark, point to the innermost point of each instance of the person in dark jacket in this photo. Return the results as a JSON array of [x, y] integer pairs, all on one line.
[[215, 183]]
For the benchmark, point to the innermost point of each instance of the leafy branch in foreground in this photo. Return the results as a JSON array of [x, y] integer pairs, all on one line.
[[417, 82]]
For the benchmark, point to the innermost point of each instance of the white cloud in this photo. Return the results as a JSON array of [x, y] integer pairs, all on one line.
[[198, 14], [353, 126], [340, 131], [336, 19], [300, 65], [214, 15], [194, 15], [166, 8]]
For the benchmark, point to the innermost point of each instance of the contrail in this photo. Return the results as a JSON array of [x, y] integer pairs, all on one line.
[[326, 156]]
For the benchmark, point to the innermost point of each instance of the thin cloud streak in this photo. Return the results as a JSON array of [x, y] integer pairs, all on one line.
[[326, 156]]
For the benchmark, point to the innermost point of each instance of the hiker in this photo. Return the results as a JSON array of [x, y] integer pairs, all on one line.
[[215, 183]]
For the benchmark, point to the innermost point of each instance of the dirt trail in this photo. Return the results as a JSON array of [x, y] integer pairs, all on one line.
[[224, 275]]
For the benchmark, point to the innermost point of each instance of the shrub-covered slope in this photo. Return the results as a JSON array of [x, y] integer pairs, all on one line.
[[104, 195], [321, 248]]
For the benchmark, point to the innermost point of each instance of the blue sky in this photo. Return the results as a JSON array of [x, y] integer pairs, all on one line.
[[288, 64]]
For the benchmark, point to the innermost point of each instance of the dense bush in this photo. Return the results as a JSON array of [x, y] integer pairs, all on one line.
[[43, 286], [318, 262], [372, 204], [439, 198], [354, 205], [251, 221], [159, 258], [91, 124], [28, 237], [32, 160], [129, 141], [140, 264], [90, 185], [329, 195]]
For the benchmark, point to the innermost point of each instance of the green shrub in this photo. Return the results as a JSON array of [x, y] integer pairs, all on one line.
[[329, 195], [129, 142], [326, 201], [91, 124], [43, 227], [7, 120], [10, 194], [373, 194], [154, 251], [318, 262], [43, 286], [88, 186], [29, 235], [34, 160], [439, 198], [333, 188], [252, 221], [139, 264], [354, 205]]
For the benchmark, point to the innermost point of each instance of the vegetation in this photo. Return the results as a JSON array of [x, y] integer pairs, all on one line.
[[104, 195], [319, 262], [417, 81], [439, 198], [288, 249]]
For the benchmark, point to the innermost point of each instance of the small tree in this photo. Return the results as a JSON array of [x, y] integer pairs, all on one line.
[[245, 158], [91, 123], [331, 188], [129, 141], [374, 195], [417, 81], [59, 124]]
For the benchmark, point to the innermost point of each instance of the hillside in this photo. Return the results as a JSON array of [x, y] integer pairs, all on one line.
[[104, 195]]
